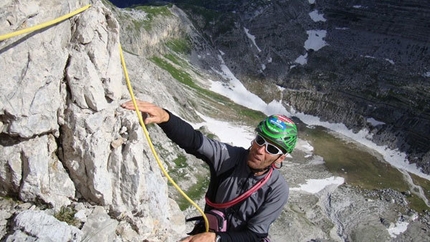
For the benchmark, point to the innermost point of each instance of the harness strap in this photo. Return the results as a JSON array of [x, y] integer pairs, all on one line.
[[242, 197]]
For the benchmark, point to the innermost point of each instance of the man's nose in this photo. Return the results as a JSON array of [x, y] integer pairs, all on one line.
[[261, 149]]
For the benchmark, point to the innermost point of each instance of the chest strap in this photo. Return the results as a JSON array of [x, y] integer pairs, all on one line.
[[243, 196]]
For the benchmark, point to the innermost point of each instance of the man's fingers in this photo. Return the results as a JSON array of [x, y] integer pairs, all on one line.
[[149, 120], [140, 105], [128, 105], [154, 114]]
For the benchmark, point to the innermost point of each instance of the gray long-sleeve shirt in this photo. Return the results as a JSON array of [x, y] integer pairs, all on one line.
[[258, 211]]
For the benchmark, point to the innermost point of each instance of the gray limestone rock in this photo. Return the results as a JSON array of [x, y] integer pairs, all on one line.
[[39, 226]]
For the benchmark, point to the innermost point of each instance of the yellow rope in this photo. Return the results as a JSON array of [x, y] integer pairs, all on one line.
[[43, 25], [145, 131]]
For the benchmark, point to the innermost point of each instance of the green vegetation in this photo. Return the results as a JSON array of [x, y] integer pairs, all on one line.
[[208, 134], [416, 202], [152, 13], [176, 60], [181, 76], [195, 192], [361, 168], [67, 214], [358, 167], [182, 46], [239, 112], [180, 161], [175, 166], [160, 149], [178, 173], [108, 3]]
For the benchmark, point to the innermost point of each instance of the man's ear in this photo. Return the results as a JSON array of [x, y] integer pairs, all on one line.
[[281, 158]]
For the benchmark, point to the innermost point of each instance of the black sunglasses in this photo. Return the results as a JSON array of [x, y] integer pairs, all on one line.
[[271, 149]]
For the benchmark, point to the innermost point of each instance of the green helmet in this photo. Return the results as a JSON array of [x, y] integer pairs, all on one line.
[[280, 130]]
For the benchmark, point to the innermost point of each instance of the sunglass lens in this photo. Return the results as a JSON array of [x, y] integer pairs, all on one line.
[[260, 140], [272, 149]]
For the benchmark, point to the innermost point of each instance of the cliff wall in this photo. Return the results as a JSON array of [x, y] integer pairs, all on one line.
[[65, 141]]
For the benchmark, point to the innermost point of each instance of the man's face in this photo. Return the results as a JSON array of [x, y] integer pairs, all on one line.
[[259, 158]]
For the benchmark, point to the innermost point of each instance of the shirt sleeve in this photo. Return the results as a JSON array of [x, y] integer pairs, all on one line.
[[182, 133], [195, 143]]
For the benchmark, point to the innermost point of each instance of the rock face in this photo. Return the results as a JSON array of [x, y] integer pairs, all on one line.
[[44, 227], [64, 136]]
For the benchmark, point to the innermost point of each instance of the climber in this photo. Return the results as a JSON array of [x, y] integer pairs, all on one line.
[[234, 170]]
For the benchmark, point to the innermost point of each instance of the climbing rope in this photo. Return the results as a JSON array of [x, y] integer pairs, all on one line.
[[43, 25], [71, 14], [145, 131]]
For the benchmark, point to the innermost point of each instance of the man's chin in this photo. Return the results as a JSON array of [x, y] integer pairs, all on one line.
[[253, 164]]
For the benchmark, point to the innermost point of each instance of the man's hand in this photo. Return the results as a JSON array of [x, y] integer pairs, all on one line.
[[203, 237], [155, 114]]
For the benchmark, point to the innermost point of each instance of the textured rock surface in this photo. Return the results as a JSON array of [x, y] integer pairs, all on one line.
[[64, 136], [39, 226]]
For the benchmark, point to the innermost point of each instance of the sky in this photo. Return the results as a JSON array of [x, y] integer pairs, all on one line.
[[242, 136]]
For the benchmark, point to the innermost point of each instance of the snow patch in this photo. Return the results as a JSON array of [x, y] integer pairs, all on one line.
[[315, 39], [374, 122], [252, 38], [317, 17], [315, 185]]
